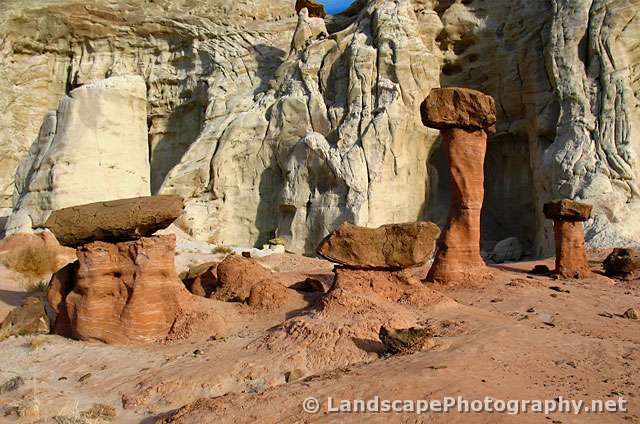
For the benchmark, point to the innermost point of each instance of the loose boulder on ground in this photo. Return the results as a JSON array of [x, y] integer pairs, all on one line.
[[114, 221], [406, 341], [236, 277], [393, 246], [509, 249], [623, 263], [28, 318]]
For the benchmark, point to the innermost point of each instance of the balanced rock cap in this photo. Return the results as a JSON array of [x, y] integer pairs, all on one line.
[[393, 246], [454, 107], [568, 210], [114, 221], [315, 9]]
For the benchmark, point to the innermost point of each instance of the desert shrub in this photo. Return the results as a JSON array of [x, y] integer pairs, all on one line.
[[100, 412], [31, 261], [223, 250], [37, 287], [38, 341]]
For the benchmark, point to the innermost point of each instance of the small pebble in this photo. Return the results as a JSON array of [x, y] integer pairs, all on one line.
[[631, 313]]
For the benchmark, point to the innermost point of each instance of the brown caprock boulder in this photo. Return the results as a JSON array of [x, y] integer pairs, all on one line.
[[571, 256], [114, 221], [393, 246], [463, 117], [122, 293]]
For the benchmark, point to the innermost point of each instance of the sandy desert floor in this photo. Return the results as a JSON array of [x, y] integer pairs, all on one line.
[[518, 336]]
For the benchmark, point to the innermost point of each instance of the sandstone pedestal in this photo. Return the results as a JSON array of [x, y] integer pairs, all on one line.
[[571, 256], [463, 117], [121, 293]]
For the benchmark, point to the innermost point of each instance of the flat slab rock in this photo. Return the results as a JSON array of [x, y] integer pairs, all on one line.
[[393, 246], [567, 210], [114, 221], [455, 107]]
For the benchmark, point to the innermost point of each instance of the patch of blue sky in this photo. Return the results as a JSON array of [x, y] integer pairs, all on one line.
[[335, 6]]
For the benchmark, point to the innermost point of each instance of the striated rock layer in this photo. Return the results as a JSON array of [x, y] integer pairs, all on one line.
[[124, 293], [266, 140], [571, 256], [458, 257]]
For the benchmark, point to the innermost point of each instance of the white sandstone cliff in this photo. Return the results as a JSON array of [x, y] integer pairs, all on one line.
[[337, 138], [93, 148]]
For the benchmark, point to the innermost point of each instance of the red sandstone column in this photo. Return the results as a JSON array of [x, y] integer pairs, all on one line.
[[571, 256], [463, 117]]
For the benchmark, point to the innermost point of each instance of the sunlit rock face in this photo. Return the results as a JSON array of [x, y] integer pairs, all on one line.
[[265, 137], [565, 76], [337, 137], [94, 148]]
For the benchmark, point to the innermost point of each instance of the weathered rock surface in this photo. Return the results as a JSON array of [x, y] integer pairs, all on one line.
[[336, 137], [270, 294], [623, 263], [456, 107], [308, 30], [571, 255], [316, 10], [94, 149], [236, 277], [28, 318], [458, 256], [201, 280], [125, 293], [225, 108], [406, 341], [117, 220], [568, 210], [509, 249], [393, 246], [564, 75]]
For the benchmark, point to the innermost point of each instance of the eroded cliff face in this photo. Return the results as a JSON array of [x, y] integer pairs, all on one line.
[[566, 78], [193, 55], [272, 124], [336, 137]]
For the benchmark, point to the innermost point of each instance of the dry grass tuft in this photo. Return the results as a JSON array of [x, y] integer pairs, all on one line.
[[39, 287], [100, 412], [223, 250], [32, 262], [38, 341]]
